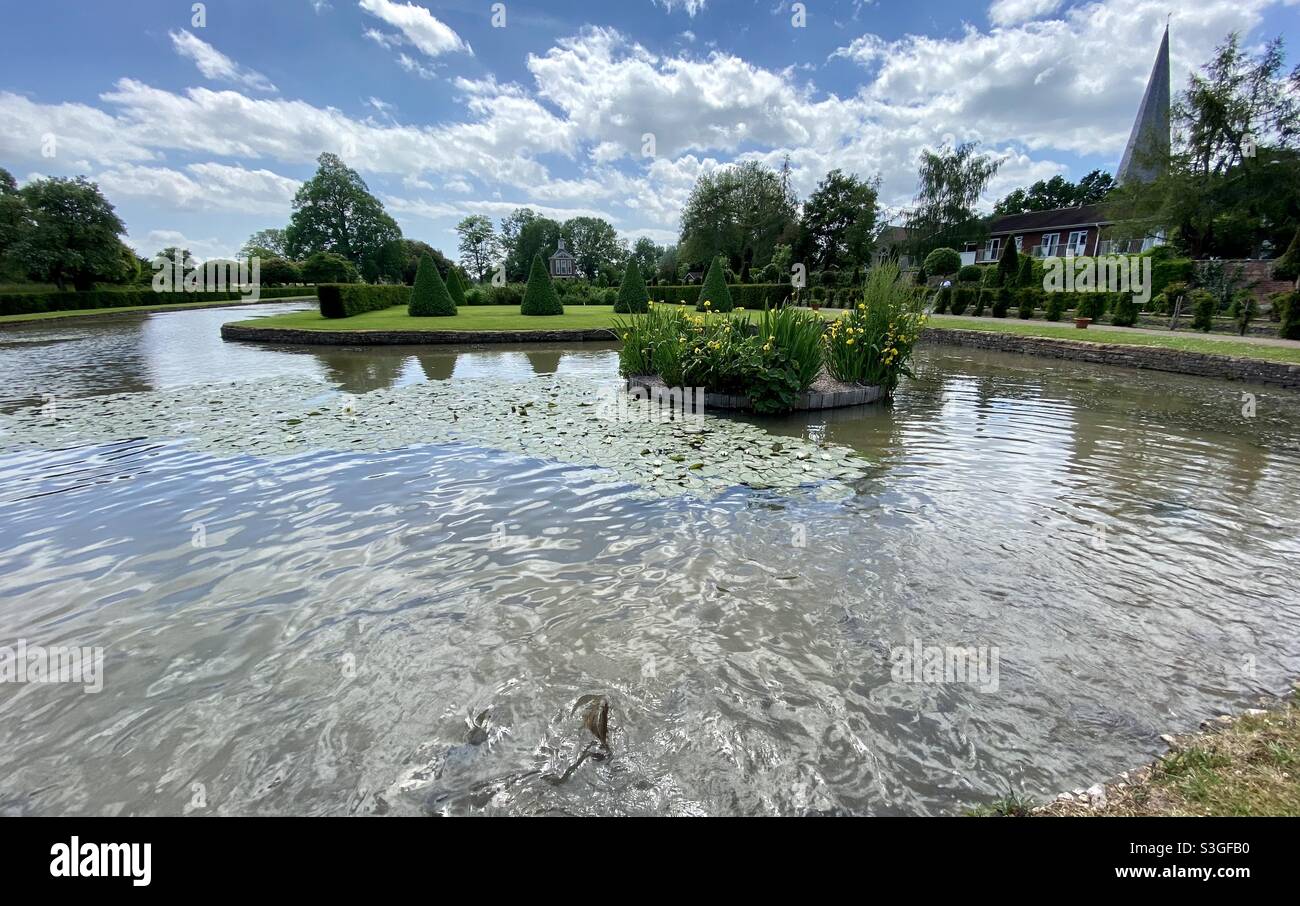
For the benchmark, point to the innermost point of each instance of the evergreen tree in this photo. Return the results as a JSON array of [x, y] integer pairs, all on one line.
[[714, 291], [632, 296], [429, 296], [455, 288], [1026, 276], [539, 295], [1009, 266], [1288, 266]]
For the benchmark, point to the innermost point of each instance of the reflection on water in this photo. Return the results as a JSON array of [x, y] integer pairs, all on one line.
[[1127, 541]]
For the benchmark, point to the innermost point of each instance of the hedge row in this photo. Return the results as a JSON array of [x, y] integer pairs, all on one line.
[[743, 295], [37, 303], [343, 300]]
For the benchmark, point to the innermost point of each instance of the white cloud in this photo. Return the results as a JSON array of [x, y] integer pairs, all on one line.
[[430, 35], [1013, 12], [415, 67], [204, 187], [216, 65], [690, 7]]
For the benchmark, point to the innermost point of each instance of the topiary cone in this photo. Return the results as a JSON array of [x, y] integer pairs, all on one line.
[[632, 296], [455, 288], [714, 291], [539, 295], [429, 296]]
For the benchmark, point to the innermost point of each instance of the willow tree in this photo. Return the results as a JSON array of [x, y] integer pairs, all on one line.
[[949, 185]]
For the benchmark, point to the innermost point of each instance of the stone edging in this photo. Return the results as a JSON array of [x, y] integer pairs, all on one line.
[[858, 396], [1154, 358], [294, 337]]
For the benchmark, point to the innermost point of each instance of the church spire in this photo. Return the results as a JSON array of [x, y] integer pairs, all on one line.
[[1148, 145]]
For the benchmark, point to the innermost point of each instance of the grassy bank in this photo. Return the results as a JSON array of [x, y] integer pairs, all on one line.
[[128, 309], [1181, 342], [1245, 767], [468, 317]]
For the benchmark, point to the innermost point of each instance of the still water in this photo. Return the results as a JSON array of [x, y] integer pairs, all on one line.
[[408, 632]]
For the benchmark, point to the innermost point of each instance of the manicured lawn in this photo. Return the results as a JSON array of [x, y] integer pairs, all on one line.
[[83, 312], [468, 317], [1173, 341]]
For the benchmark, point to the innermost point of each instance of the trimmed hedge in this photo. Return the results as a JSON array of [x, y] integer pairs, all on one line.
[[1055, 307], [942, 299], [343, 300], [39, 303], [455, 288], [962, 297], [755, 295], [715, 291], [632, 296], [539, 296], [429, 295], [1001, 298], [1027, 299], [970, 273], [1290, 329]]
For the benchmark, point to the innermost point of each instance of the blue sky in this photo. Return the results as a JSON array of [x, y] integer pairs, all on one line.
[[200, 135]]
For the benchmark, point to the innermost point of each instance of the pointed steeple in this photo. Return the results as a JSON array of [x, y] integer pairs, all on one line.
[[1148, 145]]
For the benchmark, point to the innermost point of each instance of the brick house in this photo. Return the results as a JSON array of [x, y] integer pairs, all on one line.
[[1061, 232]]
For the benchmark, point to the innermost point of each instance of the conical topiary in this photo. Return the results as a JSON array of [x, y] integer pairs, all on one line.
[[539, 295], [714, 291], [632, 297], [1009, 266], [1025, 278], [429, 296], [455, 288]]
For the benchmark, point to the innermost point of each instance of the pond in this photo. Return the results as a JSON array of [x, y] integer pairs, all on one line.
[[407, 631]]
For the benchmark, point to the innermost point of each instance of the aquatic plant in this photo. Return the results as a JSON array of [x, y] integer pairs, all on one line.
[[873, 343]]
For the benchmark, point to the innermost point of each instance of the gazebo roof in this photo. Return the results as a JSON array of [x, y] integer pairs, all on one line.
[[561, 252]]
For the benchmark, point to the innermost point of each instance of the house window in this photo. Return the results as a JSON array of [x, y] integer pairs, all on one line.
[[1077, 243], [1049, 243], [1020, 241], [994, 248]]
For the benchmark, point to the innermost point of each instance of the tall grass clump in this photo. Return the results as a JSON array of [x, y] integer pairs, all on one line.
[[873, 343]]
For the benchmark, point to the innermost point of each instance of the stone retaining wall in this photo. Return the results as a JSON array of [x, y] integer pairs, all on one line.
[[293, 337], [1155, 358]]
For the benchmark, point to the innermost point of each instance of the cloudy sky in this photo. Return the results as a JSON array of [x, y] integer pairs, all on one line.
[[201, 132]]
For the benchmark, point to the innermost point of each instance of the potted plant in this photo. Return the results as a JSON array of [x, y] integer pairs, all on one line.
[[1082, 323]]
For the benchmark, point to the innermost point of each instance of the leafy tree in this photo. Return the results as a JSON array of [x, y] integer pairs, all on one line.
[[429, 296], [414, 251], [335, 212], [71, 233], [740, 212], [327, 267], [539, 294], [1057, 192], [714, 291], [266, 244], [646, 253], [1290, 326], [943, 261], [594, 245], [478, 244], [839, 222], [279, 271], [524, 234], [1288, 266], [1232, 181], [950, 183], [666, 267], [632, 295], [184, 256], [13, 212]]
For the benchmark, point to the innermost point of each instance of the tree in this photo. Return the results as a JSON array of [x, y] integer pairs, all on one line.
[[839, 222], [414, 251], [594, 244], [455, 288], [1231, 186], [266, 244], [943, 261], [335, 212], [478, 244], [1288, 266], [71, 233], [429, 296], [646, 253], [949, 185], [714, 291], [539, 295], [525, 234], [740, 212], [632, 295], [13, 212], [327, 267], [666, 267], [1009, 266], [1057, 192], [279, 271]]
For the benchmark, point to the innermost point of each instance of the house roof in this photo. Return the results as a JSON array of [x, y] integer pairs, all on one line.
[[1057, 218]]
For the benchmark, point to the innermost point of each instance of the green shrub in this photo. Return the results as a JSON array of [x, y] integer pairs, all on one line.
[[961, 299], [969, 273], [1001, 301], [327, 267], [429, 295], [714, 290], [1008, 267], [1288, 266], [539, 295], [1026, 275], [1125, 312], [942, 262], [1166, 270], [1290, 317], [343, 300], [1055, 306], [1027, 300], [279, 271], [942, 299], [1088, 305], [989, 277], [983, 300], [1204, 305], [455, 288], [1246, 310], [632, 295]]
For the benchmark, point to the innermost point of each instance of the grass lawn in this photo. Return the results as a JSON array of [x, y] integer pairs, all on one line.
[[468, 317], [1173, 341], [181, 306]]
